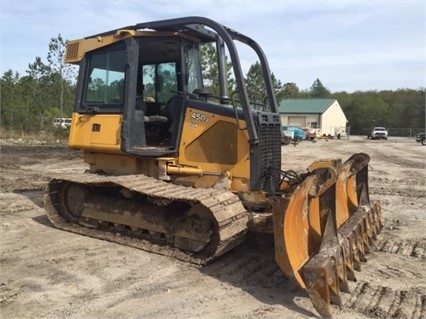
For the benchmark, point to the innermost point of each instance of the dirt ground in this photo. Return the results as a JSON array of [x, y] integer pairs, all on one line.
[[49, 273]]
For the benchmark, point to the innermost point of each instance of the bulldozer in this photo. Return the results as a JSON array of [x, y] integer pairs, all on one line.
[[179, 171]]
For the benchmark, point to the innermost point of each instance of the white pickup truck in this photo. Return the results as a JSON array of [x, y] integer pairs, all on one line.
[[378, 133]]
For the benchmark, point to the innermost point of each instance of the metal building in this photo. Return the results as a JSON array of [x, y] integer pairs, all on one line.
[[323, 114]]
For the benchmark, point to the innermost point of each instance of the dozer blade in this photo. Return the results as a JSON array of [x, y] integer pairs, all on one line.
[[357, 222], [323, 230]]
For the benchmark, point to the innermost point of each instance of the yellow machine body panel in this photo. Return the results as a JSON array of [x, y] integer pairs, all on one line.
[[96, 133], [210, 142], [215, 143], [76, 49]]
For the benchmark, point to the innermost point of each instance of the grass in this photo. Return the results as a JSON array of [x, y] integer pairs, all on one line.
[[55, 135]]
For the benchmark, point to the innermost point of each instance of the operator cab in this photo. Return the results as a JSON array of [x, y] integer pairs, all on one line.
[[144, 78]]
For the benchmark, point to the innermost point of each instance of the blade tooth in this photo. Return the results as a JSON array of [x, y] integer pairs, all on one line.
[[350, 231], [348, 263], [322, 306], [338, 275], [369, 233], [324, 276], [336, 299], [343, 277], [372, 230], [357, 265], [340, 270], [356, 256], [364, 235], [377, 213], [360, 243], [317, 279]]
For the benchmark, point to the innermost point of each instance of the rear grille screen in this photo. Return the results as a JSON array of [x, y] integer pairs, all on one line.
[[269, 133]]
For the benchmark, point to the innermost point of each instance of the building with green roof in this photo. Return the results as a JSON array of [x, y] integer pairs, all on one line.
[[323, 114]]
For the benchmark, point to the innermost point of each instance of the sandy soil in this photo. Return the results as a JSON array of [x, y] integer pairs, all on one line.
[[49, 273]]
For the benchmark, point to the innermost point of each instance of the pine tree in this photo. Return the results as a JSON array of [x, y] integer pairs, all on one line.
[[318, 90], [58, 67]]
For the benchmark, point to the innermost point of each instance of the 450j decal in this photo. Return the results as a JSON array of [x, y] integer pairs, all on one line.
[[200, 117]]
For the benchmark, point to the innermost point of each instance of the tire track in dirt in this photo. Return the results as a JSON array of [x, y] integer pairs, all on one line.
[[402, 155], [376, 301], [399, 183], [247, 268], [409, 188], [418, 194], [411, 248], [7, 295]]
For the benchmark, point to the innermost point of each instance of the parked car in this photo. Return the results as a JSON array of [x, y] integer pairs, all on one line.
[[63, 122], [295, 132], [378, 133], [312, 133], [421, 138]]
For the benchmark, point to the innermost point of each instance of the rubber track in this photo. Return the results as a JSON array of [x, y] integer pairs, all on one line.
[[382, 302], [225, 206], [404, 247]]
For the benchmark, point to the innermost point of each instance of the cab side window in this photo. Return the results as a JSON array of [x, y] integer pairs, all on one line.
[[106, 75]]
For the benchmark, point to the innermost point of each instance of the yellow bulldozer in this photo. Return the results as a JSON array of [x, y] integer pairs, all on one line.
[[178, 171]]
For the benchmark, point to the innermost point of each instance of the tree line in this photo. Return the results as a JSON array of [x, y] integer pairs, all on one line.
[[30, 102], [400, 110]]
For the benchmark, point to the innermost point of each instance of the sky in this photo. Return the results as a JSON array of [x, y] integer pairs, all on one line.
[[348, 45]]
